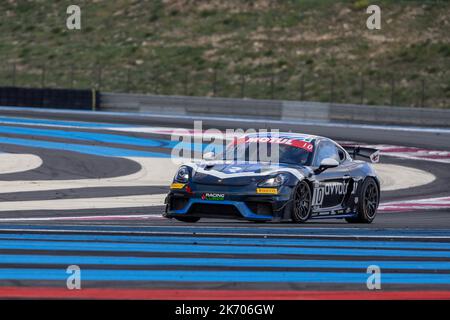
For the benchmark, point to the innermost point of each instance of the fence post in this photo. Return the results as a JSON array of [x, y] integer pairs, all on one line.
[[186, 83], [242, 85], [155, 83], [272, 85], [392, 90], [94, 100], [43, 77], [362, 89], [214, 86], [332, 89], [14, 75], [72, 71], [99, 78], [302, 87], [422, 102], [128, 80]]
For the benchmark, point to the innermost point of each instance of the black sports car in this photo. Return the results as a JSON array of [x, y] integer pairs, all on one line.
[[314, 177]]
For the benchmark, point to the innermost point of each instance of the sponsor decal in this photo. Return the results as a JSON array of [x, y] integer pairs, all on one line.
[[332, 188], [213, 196], [177, 185], [306, 145], [267, 190], [338, 188]]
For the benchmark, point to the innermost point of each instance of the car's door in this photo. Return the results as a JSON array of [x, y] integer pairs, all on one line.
[[333, 182]]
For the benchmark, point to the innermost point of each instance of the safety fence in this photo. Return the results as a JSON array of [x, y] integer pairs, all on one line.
[[374, 87]]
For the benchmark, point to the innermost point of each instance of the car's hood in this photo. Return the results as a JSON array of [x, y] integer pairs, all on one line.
[[239, 173]]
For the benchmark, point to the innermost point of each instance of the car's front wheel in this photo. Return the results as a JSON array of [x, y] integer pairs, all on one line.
[[188, 219], [301, 203], [369, 198]]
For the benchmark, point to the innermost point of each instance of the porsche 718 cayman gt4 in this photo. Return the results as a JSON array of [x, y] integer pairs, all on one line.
[[314, 177]]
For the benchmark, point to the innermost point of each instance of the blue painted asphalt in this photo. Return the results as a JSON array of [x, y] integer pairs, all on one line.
[[63, 123], [86, 149], [95, 137], [213, 249], [89, 136], [219, 262], [234, 241], [101, 137], [223, 276]]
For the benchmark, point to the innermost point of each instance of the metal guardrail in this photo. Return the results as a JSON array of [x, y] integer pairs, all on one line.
[[274, 109]]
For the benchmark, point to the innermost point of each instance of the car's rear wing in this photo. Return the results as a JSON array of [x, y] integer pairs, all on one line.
[[363, 152]]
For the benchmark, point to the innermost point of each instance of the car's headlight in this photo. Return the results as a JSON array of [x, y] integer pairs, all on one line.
[[182, 175], [276, 181]]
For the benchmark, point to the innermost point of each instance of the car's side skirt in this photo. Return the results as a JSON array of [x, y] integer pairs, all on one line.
[[335, 216]]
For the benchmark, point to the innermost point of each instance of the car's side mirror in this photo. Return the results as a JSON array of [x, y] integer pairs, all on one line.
[[327, 163], [209, 155]]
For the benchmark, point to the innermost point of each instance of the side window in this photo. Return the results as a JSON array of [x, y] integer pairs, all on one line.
[[327, 149], [341, 154]]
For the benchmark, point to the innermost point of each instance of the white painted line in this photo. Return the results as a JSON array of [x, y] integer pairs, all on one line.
[[228, 234]]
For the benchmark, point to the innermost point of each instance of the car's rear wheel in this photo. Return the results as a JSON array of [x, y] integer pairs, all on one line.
[[301, 204], [188, 219], [369, 198]]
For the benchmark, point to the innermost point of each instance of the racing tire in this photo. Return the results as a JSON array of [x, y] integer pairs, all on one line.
[[187, 219], [301, 203], [369, 198]]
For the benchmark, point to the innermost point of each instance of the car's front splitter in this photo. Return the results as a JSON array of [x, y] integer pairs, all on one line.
[[242, 208]]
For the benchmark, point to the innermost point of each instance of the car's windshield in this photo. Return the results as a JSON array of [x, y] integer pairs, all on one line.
[[300, 154]]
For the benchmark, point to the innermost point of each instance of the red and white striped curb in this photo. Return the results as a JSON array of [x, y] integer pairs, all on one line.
[[412, 205], [414, 153]]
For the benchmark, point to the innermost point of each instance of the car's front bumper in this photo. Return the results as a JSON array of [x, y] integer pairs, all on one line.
[[243, 204]]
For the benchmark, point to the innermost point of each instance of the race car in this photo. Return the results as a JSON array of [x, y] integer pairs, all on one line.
[[313, 178]]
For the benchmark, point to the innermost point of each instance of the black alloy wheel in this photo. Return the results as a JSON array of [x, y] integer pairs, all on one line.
[[301, 210], [369, 198]]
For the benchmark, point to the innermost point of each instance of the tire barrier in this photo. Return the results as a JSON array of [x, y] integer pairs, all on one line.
[[49, 98]]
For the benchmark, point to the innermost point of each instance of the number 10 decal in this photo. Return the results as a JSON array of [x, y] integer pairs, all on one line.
[[318, 195]]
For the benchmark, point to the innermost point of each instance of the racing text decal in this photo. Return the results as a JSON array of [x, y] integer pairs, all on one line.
[[308, 146], [213, 196]]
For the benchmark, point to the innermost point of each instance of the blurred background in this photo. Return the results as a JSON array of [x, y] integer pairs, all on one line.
[[292, 50]]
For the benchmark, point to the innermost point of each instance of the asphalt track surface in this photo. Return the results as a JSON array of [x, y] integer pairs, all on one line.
[[131, 252]]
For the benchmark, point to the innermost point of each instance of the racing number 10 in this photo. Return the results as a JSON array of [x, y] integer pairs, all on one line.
[[318, 195]]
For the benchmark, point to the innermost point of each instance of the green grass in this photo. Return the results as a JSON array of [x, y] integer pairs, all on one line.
[[205, 47]]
